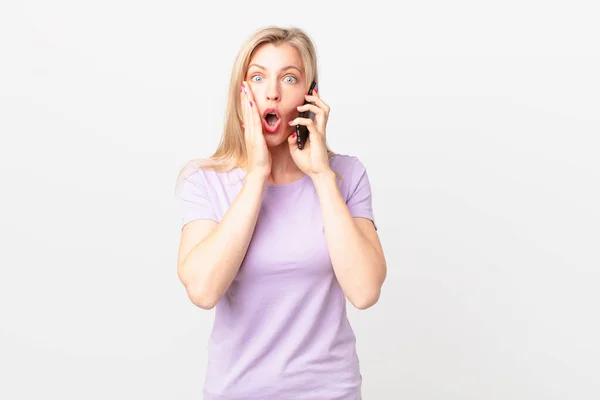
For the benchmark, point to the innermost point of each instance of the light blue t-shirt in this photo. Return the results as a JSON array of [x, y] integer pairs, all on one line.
[[281, 329]]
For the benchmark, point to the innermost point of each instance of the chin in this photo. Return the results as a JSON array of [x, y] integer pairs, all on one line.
[[276, 138]]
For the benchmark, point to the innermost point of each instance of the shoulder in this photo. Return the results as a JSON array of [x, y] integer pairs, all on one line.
[[351, 174], [201, 174], [206, 178], [346, 165], [355, 186]]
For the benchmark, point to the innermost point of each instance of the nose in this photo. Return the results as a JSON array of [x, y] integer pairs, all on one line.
[[273, 92]]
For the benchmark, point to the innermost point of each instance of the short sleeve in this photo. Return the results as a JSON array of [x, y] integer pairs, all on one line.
[[359, 199], [194, 199]]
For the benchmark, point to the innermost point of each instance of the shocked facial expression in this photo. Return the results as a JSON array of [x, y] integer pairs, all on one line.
[[277, 79]]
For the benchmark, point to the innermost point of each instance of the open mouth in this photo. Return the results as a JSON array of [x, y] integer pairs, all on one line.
[[271, 121]]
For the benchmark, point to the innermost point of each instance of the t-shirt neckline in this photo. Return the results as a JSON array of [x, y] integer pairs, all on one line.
[[280, 186]]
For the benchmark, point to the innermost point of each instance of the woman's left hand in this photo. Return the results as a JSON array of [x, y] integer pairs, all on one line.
[[312, 159]]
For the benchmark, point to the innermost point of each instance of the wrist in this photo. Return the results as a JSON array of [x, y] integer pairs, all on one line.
[[323, 178], [257, 178]]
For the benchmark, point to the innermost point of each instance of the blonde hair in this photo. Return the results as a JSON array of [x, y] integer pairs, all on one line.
[[231, 151]]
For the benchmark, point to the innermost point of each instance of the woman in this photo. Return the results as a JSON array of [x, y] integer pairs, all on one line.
[[274, 241]]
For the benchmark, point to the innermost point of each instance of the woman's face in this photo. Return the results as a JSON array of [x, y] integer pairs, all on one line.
[[276, 77]]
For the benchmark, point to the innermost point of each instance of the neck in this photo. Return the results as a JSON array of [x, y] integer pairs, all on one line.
[[283, 167], [281, 160]]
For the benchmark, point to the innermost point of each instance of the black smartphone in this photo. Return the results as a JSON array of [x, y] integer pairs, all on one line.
[[301, 130]]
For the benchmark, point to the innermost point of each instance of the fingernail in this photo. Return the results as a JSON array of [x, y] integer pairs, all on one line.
[[250, 104], [241, 89], [291, 123], [294, 135], [315, 91]]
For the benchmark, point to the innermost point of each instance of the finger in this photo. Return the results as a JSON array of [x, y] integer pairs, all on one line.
[[320, 116], [317, 100], [248, 116], [255, 116], [309, 123], [251, 113], [248, 93], [247, 107], [293, 142], [301, 121], [243, 105], [311, 107]]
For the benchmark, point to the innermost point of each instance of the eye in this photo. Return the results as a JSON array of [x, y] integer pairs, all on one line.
[[290, 76], [255, 76]]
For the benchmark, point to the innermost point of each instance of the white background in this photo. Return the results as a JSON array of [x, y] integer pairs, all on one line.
[[479, 124]]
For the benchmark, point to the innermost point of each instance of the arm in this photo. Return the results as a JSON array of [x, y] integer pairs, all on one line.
[[210, 254], [353, 244]]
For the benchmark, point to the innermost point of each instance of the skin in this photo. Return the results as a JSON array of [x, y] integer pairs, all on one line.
[[211, 253], [284, 89]]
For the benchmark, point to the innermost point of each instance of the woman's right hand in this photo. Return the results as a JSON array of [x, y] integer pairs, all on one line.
[[258, 154]]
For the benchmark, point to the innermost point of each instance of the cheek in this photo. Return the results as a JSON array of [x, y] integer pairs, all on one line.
[[256, 89], [295, 101], [299, 98]]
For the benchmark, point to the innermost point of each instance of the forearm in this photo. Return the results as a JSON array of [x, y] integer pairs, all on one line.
[[214, 262], [358, 266]]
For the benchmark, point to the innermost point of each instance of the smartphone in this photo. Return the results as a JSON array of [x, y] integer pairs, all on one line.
[[301, 130]]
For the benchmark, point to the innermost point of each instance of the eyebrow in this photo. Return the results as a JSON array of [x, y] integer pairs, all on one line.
[[282, 69]]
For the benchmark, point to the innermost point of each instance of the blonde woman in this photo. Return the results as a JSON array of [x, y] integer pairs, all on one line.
[[277, 238]]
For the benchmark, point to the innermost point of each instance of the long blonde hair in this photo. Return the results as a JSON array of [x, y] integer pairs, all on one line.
[[231, 151]]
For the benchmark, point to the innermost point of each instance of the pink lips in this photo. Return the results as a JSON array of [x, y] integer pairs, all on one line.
[[269, 128]]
